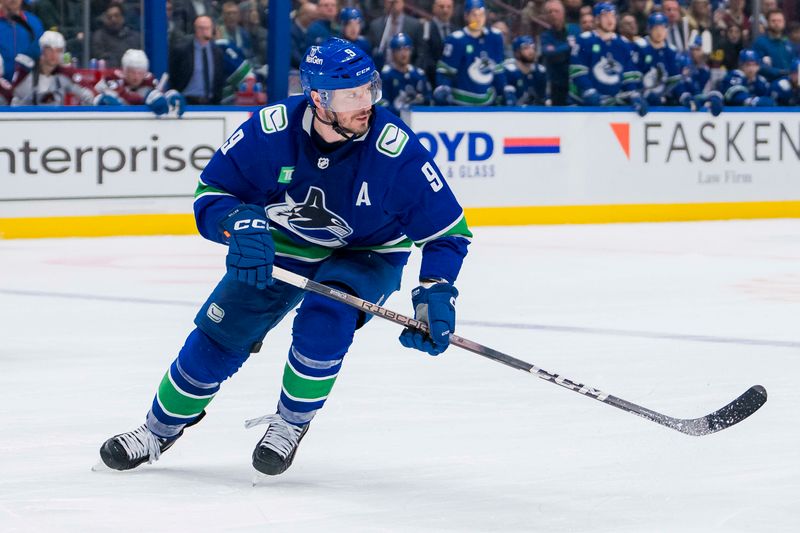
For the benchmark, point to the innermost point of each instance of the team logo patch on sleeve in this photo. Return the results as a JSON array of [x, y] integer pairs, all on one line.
[[392, 140], [273, 118]]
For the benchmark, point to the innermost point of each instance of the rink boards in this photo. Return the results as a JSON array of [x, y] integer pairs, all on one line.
[[88, 173]]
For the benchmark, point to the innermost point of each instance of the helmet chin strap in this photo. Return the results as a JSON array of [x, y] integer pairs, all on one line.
[[338, 128]]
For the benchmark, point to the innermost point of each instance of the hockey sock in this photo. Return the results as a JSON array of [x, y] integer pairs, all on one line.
[[306, 385]]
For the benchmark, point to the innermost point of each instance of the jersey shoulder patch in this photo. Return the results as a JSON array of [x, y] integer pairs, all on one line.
[[273, 118], [586, 34], [391, 140], [458, 34]]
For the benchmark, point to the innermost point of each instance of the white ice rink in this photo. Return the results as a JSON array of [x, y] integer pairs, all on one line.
[[680, 318]]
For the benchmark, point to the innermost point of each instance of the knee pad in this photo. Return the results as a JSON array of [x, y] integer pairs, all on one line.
[[207, 361], [323, 329]]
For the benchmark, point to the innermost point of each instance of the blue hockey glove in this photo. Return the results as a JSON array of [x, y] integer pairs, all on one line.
[[157, 102], [639, 105], [591, 97], [443, 95], [714, 103], [176, 102], [435, 305], [251, 251], [107, 99], [510, 95]]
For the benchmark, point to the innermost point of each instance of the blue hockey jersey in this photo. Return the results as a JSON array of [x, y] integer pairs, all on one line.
[[738, 90], [530, 87], [605, 66], [694, 81], [473, 67], [404, 89], [379, 192], [660, 72]]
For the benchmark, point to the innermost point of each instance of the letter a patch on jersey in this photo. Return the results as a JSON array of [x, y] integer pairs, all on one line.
[[273, 118], [392, 140], [363, 195]]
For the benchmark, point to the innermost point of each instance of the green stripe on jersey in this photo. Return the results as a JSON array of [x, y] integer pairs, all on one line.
[[180, 403], [305, 388], [287, 247], [203, 188]]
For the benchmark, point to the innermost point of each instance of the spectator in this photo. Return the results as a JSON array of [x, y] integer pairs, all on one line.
[[727, 54], [678, 29], [325, 26], [471, 69], [49, 82], [587, 20], [639, 10], [699, 18], [186, 11], [774, 48], [793, 32], [231, 29], [555, 52], [251, 21], [110, 41], [733, 15], [19, 34], [745, 86], [434, 32], [766, 7], [352, 22], [525, 75], [394, 21], [196, 65], [404, 84], [304, 16]]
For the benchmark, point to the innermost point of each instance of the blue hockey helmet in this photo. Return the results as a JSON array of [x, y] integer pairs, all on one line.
[[683, 60], [349, 13], [335, 69], [401, 40], [522, 40], [697, 42], [749, 55], [657, 18], [469, 5], [604, 7]]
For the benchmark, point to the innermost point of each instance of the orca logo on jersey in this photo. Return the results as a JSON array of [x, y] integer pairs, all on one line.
[[608, 70], [481, 70], [311, 219]]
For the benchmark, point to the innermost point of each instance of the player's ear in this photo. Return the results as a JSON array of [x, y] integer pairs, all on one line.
[[316, 99]]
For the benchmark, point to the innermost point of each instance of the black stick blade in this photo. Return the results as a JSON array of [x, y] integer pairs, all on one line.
[[733, 413]]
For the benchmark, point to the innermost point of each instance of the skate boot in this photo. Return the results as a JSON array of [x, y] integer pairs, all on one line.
[[128, 450], [275, 451]]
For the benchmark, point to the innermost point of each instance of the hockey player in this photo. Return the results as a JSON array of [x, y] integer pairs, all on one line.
[[525, 75], [601, 69], [351, 22], [657, 63], [337, 190], [694, 90], [404, 84], [745, 86], [785, 91], [48, 81], [133, 84], [470, 71], [237, 69]]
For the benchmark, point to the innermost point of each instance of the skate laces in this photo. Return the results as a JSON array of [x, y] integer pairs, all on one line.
[[281, 437], [139, 443]]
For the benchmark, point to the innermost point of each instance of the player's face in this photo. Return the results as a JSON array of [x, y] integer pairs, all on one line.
[[750, 69], [607, 22], [527, 53], [476, 19], [402, 57], [352, 30], [697, 55], [52, 57], [658, 34], [587, 22], [134, 76], [627, 26]]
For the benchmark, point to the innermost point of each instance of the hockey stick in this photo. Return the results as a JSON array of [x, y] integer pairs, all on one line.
[[733, 413]]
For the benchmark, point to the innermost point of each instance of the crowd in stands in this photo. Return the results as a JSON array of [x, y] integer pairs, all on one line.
[[700, 54]]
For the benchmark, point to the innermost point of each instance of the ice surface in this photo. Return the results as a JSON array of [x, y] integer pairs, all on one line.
[[680, 318]]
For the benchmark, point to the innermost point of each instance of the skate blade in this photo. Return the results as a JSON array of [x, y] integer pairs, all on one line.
[[100, 466], [259, 478]]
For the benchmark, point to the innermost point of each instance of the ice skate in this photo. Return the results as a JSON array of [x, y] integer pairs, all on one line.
[[275, 451], [128, 450]]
